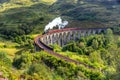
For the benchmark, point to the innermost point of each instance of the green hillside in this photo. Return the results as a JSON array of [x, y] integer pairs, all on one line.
[[8, 4], [89, 11], [22, 20], [36, 14], [34, 18]]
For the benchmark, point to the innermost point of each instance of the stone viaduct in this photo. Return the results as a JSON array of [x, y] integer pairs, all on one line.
[[61, 37]]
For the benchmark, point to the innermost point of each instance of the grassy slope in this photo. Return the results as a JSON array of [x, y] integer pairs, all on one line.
[[12, 18], [22, 3], [8, 47]]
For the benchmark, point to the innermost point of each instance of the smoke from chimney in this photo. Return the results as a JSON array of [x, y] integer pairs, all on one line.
[[57, 22]]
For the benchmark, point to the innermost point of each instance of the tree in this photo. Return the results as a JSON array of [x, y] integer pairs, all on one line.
[[4, 60], [95, 44], [96, 57], [117, 75], [82, 45], [118, 43], [109, 36], [22, 61]]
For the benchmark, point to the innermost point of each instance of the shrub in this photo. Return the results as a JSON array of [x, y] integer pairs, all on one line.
[[4, 60]]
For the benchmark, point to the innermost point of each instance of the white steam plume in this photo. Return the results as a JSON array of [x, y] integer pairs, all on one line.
[[64, 24], [57, 22]]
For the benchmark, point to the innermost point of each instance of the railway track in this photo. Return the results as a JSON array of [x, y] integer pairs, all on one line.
[[49, 50]]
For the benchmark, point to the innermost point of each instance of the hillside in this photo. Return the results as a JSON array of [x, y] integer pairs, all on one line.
[[38, 13], [22, 20], [17, 15], [103, 11]]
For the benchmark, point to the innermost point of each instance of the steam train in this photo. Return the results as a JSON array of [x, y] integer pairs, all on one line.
[[68, 29], [59, 30]]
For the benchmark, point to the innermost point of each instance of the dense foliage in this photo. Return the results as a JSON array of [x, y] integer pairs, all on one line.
[[59, 68], [100, 51], [6, 66], [117, 29]]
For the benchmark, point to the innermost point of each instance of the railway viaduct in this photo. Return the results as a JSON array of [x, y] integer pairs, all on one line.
[[61, 37]]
